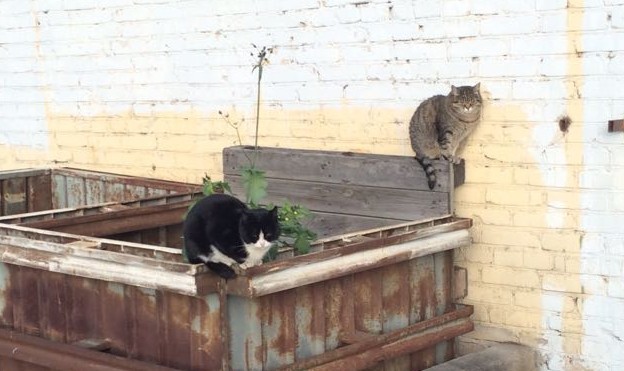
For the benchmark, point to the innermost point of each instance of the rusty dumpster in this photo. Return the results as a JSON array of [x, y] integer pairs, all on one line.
[[376, 292], [44, 192]]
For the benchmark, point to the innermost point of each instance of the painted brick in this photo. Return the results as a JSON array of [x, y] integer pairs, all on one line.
[[510, 277]]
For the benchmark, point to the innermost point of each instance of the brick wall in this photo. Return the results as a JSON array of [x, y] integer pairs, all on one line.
[[136, 86]]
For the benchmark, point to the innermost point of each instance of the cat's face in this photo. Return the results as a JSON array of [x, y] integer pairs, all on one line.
[[466, 99], [259, 227]]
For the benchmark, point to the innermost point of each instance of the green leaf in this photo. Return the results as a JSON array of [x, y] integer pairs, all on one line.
[[302, 245], [255, 185]]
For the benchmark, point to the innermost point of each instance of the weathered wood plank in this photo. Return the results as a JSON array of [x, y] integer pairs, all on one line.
[[354, 199], [328, 225], [337, 167]]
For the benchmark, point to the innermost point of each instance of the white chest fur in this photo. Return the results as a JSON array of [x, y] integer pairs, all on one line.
[[256, 251]]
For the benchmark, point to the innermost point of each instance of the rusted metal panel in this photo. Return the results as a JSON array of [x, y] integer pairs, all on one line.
[[22, 352], [396, 307], [39, 193], [444, 293], [59, 191], [145, 325], [425, 334], [14, 196], [208, 343], [76, 191], [310, 319], [82, 298], [373, 298], [423, 303], [246, 345], [278, 329]]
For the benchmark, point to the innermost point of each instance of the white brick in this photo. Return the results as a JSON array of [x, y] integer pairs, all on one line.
[[539, 45], [427, 8], [551, 4], [483, 7], [478, 47], [452, 8], [617, 17], [515, 25], [464, 27]]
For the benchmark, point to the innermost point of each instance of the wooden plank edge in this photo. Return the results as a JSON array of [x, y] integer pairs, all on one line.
[[313, 272]]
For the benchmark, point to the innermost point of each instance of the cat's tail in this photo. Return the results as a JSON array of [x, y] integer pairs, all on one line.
[[430, 171]]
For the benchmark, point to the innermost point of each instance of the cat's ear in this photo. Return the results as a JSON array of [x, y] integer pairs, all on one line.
[[273, 212], [454, 90], [476, 87], [244, 215]]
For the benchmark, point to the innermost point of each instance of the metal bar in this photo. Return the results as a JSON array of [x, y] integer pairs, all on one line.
[[418, 336], [63, 357]]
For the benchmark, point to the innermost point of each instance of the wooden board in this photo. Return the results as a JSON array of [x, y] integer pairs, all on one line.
[[363, 188], [386, 171]]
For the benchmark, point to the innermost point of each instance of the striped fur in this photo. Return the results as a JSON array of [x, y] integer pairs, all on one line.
[[441, 123]]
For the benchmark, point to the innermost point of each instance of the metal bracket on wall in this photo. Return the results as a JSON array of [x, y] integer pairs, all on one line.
[[616, 126]]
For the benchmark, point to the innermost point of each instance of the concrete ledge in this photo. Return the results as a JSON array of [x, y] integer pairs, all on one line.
[[502, 357]]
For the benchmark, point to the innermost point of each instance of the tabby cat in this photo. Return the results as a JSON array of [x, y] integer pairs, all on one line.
[[441, 123], [220, 230]]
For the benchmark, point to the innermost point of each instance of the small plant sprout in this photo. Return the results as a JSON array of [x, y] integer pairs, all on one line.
[[255, 184]]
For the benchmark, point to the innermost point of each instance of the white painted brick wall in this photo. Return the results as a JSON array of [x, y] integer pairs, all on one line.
[[137, 78]]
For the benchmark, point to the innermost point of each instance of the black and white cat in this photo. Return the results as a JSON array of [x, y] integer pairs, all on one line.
[[220, 230]]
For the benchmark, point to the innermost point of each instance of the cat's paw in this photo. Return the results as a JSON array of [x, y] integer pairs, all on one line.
[[452, 159], [222, 270], [250, 263]]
